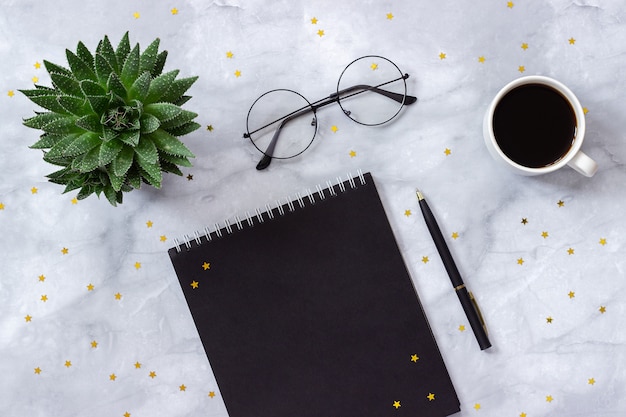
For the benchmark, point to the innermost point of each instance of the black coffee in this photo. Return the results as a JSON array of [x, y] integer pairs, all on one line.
[[534, 125]]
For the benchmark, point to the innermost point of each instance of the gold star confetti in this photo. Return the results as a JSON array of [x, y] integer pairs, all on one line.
[[549, 398], [524, 46], [571, 294], [42, 278], [462, 328], [570, 251], [396, 404], [211, 394], [520, 261], [320, 33], [389, 16], [74, 200], [149, 224], [560, 203], [481, 59], [237, 73], [152, 374], [407, 213], [209, 128], [522, 415], [189, 177], [585, 110], [11, 93], [194, 284], [118, 296], [174, 11], [65, 251], [602, 241], [1, 206], [425, 259], [163, 238], [352, 154], [136, 15], [137, 265], [127, 414], [94, 344], [414, 358], [334, 128], [37, 65], [229, 55], [602, 310], [137, 365], [544, 235], [35, 80], [455, 235], [510, 4], [90, 287], [34, 190], [182, 387], [591, 381], [447, 151], [28, 318], [206, 266], [430, 396], [572, 41], [44, 298], [37, 370], [314, 21], [442, 55], [524, 221], [112, 377], [476, 406], [521, 68], [549, 320], [68, 364]]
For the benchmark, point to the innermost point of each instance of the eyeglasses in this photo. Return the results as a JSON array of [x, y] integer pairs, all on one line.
[[279, 113]]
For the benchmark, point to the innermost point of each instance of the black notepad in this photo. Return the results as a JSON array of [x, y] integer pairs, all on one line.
[[307, 310]]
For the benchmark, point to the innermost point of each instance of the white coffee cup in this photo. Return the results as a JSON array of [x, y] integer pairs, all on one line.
[[571, 156]]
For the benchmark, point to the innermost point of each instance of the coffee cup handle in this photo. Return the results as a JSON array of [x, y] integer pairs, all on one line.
[[583, 164]]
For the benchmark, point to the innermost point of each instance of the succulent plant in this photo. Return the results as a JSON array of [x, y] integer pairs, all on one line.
[[113, 119]]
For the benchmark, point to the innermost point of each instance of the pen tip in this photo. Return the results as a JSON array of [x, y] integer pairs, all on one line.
[[420, 196]]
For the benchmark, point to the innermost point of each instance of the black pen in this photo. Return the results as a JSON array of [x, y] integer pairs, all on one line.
[[466, 298]]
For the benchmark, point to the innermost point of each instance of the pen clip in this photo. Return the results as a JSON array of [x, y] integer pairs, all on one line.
[[480, 315]]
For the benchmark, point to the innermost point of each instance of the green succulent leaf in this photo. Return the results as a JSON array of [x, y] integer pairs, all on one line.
[[130, 71], [171, 168], [106, 50], [96, 95], [147, 150], [115, 85], [133, 177], [103, 68], [57, 69], [108, 151], [178, 88], [89, 162], [90, 122], [160, 85], [163, 111], [41, 119], [84, 54], [160, 63], [150, 172], [64, 124], [123, 161], [81, 70], [122, 50], [82, 144], [38, 92], [173, 159], [49, 102], [141, 86], [181, 119], [58, 150], [47, 141], [149, 123], [73, 105], [67, 84], [184, 129], [149, 56], [116, 182], [170, 144], [130, 138]]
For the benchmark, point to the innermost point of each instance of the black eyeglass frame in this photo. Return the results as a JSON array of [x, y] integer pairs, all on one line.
[[403, 99]]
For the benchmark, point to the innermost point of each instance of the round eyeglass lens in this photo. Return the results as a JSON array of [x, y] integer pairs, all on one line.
[[371, 90], [281, 124]]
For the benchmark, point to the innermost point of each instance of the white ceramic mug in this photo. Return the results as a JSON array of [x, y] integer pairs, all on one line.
[[573, 157]]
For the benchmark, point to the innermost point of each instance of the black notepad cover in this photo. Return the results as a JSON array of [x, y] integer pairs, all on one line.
[[313, 313]]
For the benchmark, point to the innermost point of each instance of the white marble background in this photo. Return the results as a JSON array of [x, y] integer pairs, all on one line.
[[571, 275]]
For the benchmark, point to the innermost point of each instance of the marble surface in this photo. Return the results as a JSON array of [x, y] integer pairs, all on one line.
[[543, 255]]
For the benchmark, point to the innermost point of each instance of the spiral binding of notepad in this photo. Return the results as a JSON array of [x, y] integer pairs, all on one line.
[[270, 213]]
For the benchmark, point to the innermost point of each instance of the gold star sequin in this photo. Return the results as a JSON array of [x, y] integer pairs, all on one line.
[[149, 224], [602, 309], [549, 398], [430, 396], [11, 93], [396, 404], [137, 265], [549, 320], [320, 33], [520, 261], [65, 251], [314, 21], [136, 15], [90, 287], [510, 4], [447, 151], [407, 213], [68, 364], [209, 128], [237, 73], [524, 221], [229, 55], [462, 328], [163, 238], [585, 110], [190, 177], [522, 415], [524, 46], [28, 318], [211, 394], [477, 406], [152, 374], [127, 414], [1, 206], [389, 16], [591, 381], [455, 235], [35, 80], [118, 296], [334, 128], [137, 365], [74, 200], [182, 387], [544, 235], [37, 65], [571, 294], [425, 259], [414, 358], [94, 344], [602, 241], [352, 154], [206, 266], [570, 251], [521, 68], [112, 377], [374, 66], [44, 298], [442, 55], [34, 190], [42, 278], [481, 59], [194, 284], [37, 370], [174, 11], [560, 203], [572, 41]]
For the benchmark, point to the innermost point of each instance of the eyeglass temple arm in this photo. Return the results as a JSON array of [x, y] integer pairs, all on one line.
[[400, 98]]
